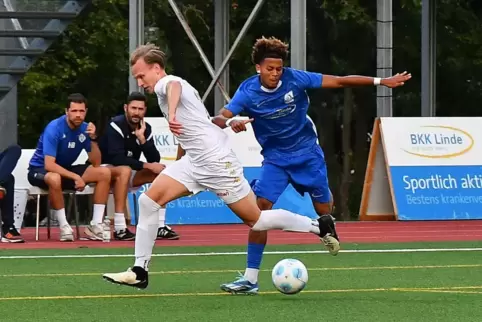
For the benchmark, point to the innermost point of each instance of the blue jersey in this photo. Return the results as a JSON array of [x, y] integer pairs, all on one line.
[[61, 142], [280, 118]]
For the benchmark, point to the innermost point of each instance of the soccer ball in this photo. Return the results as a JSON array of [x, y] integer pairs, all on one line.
[[289, 276]]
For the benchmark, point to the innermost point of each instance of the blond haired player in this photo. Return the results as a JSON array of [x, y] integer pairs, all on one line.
[[208, 164]]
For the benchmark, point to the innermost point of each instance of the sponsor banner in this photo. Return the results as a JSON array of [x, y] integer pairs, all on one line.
[[437, 192], [431, 166], [432, 141]]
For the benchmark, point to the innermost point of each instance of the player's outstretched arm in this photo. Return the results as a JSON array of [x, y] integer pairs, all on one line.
[[222, 118], [225, 119], [330, 81]]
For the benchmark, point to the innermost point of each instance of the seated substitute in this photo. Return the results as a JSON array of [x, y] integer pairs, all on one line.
[[51, 166], [126, 137]]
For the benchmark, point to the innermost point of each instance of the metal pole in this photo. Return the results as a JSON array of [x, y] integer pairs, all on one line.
[[194, 41], [136, 33], [384, 56], [429, 46], [241, 34], [298, 34], [221, 48]]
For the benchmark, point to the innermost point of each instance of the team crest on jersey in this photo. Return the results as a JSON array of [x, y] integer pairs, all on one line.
[[82, 138], [289, 97]]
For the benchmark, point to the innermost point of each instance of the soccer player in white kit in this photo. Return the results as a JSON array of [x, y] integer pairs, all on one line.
[[208, 164]]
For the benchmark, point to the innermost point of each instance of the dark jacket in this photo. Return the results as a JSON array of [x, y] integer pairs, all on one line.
[[119, 145]]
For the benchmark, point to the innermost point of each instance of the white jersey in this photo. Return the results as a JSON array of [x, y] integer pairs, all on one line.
[[202, 140]]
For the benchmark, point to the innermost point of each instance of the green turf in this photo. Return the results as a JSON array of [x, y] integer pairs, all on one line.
[[434, 286]]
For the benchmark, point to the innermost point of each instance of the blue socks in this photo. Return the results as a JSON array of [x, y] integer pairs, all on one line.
[[255, 255], [253, 262]]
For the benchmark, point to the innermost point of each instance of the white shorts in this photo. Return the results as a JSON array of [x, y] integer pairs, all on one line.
[[133, 174], [224, 177]]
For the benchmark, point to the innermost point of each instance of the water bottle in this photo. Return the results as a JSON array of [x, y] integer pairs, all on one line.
[[106, 231]]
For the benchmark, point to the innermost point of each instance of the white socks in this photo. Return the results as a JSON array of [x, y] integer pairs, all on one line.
[[60, 215], [146, 230], [251, 274], [119, 222], [162, 217], [285, 220], [98, 214]]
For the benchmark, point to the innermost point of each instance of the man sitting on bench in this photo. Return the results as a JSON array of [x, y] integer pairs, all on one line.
[[51, 166], [126, 137]]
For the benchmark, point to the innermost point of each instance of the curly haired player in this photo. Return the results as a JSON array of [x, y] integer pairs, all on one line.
[[277, 103]]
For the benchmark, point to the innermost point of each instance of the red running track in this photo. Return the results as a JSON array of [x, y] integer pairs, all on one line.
[[215, 235]]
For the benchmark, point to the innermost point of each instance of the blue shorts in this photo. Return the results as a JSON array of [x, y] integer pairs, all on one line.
[[306, 172]]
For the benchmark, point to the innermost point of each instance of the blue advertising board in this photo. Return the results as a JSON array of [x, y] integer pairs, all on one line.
[[431, 166]]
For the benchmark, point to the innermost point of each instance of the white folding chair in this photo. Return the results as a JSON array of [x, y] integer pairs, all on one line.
[[21, 183]]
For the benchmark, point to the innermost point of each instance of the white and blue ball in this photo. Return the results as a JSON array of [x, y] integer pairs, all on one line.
[[289, 276]]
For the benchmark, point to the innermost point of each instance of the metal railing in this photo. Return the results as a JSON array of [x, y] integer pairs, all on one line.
[[16, 24]]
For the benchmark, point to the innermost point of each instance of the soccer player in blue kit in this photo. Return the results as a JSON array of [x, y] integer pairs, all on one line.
[[277, 104]]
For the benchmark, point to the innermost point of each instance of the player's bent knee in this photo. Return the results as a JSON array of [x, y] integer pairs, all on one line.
[[250, 223], [103, 174], [264, 204], [53, 180], [165, 189], [246, 209], [147, 203], [324, 208], [148, 212], [124, 173], [157, 193], [254, 234]]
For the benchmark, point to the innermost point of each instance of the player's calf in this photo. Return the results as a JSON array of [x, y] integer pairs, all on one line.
[[121, 177], [101, 176], [56, 198], [163, 190]]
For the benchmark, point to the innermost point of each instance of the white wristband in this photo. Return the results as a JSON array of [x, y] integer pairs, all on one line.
[[229, 122], [377, 81]]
